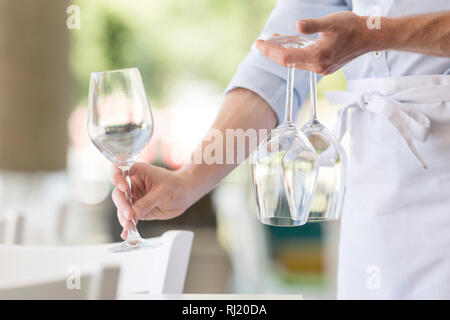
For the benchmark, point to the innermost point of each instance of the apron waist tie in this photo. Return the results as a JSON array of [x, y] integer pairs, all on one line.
[[398, 108]]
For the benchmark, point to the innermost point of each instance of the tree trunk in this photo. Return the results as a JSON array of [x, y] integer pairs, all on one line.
[[34, 84]]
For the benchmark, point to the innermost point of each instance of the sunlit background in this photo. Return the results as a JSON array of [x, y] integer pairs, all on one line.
[[186, 51]]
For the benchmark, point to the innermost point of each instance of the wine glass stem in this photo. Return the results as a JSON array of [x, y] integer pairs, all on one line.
[[133, 234], [313, 94], [289, 92]]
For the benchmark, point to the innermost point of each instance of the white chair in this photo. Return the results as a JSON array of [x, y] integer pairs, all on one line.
[[159, 270], [91, 284], [12, 228], [17, 227]]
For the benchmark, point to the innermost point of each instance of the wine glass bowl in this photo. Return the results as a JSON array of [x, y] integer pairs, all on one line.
[[120, 125], [120, 122], [284, 172], [329, 194]]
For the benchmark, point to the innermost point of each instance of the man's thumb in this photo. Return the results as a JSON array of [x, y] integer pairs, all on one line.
[[310, 26]]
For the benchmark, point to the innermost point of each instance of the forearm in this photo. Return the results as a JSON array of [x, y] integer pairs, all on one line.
[[242, 109], [427, 34]]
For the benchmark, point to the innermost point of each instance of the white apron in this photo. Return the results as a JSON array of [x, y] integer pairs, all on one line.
[[395, 228]]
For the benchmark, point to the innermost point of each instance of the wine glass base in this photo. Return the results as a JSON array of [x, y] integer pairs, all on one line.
[[134, 245], [292, 41], [282, 222], [321, 219]]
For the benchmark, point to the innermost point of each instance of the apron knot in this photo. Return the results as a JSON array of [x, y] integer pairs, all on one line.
[[409, 122], [368, 97]]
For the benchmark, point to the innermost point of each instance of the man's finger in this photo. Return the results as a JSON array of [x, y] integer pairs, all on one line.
[[140, 168], [117, 179], [157, 214], [124, 234], [122, 220], [124, 223], [145, 204], [285, 56], [122, 205], [272, 51], [125, 230]]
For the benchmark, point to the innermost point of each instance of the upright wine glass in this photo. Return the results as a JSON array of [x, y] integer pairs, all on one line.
[[329, 194], [285, 164], [120, 125]]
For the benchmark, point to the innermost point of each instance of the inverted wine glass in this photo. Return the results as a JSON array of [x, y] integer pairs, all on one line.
[[120, 125], [285, 164], [329, 193]]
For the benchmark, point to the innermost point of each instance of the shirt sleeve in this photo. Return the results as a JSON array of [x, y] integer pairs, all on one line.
[[268, 79]]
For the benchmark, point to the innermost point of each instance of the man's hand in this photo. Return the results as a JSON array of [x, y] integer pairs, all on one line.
[[343, 36], [158, 194]]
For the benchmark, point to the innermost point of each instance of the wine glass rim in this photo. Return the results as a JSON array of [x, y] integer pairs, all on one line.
[[116, 70]]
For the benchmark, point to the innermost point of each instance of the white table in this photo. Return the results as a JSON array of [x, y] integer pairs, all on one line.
[[195, 296]]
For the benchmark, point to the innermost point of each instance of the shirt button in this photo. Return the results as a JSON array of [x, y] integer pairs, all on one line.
[[377, 54]]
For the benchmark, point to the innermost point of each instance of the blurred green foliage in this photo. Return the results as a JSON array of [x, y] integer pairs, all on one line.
[[166, 40]]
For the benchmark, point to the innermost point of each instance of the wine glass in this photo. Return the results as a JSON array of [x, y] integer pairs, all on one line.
[[120, 125], [285, 164], [329, 194]]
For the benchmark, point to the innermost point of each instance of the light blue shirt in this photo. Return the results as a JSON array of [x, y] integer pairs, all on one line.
[[268, 79]]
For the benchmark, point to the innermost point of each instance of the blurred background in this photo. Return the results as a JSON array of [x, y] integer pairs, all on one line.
[[186, 51]]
